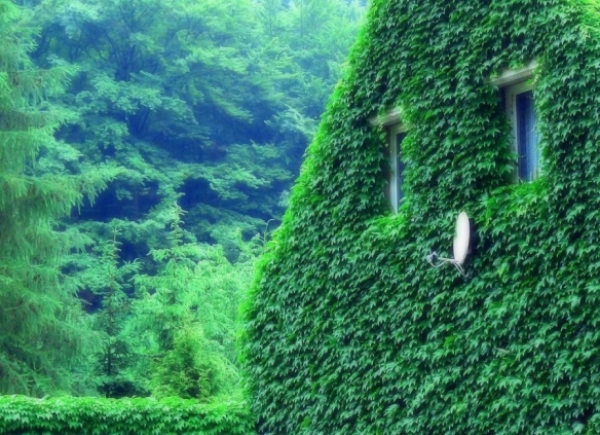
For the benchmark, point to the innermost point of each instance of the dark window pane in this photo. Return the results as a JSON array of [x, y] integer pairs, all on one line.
[[527, 136]]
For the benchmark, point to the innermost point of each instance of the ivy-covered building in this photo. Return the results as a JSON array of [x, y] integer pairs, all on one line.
[[486, 106]]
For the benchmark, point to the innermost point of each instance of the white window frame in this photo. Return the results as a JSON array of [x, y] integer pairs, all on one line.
[[513, 83], [391, 121]]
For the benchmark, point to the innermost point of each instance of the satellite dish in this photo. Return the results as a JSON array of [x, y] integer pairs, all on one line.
[[462, 238]]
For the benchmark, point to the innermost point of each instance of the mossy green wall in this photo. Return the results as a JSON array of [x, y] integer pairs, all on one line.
[[349, 330]]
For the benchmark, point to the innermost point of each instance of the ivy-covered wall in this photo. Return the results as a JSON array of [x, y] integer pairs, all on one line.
[[349, 329]]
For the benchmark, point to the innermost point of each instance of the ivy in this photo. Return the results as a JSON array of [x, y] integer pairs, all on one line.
[[91, 416], [348, 329]]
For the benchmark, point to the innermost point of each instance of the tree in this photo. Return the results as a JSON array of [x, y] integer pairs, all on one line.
[[187, 316], [42, 332], [115, 359], [200, 105]]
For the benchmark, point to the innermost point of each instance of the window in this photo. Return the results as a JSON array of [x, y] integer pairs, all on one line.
[[396, 136], [517, 93], [396, 133], [521, 111]]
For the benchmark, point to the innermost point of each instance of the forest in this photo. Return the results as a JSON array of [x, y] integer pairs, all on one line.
[[147, 151]]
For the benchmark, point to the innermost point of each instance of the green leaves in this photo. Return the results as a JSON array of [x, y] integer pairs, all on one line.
[[348, 320], [93, 416], [43, 330], [197, 97], [186, 314]]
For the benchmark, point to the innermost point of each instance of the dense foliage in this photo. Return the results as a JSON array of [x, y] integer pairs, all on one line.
[[146, 152], [209, 103], [349, 328], [36, 354], [93, 416]]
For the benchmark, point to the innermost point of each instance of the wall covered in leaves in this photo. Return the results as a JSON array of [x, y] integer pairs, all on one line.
[[67, 415], [349, 329]]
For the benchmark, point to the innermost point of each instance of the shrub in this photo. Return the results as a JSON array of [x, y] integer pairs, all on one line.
[[97, 416]]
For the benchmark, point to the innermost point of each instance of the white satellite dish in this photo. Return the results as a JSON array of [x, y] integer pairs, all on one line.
[[462, 238]]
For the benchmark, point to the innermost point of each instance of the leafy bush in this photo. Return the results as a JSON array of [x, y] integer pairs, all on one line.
[[93, 416]]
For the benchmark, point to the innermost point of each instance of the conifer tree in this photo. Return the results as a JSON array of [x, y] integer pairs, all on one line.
[[42, 334], [115, 358], [188, 312]]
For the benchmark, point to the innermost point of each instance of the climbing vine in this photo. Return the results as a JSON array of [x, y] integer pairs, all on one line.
[[349, 329]]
